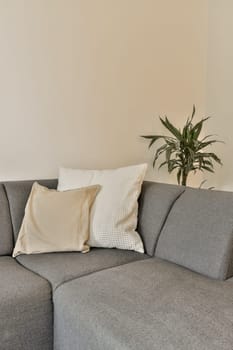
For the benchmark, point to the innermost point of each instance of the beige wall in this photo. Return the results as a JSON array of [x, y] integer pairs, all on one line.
[[219, 87], [81, 80]]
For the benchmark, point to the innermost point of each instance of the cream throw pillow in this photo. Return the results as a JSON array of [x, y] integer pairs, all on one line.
[[56, 221], [114, 213]]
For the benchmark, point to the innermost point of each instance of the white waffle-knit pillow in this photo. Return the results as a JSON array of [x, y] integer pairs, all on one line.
[[114, 213]]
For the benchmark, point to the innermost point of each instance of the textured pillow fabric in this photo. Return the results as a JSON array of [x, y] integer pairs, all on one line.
[[114, 213], [56, 221]]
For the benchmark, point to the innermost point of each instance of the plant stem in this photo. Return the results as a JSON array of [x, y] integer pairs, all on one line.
[[184, 178]]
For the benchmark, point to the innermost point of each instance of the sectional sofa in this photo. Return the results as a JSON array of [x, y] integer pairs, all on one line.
[[178, 295]]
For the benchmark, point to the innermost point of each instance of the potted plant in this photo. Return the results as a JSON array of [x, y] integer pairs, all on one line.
[[184, 150]]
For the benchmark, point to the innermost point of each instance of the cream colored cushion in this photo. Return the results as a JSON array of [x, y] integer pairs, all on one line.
[[114, 213], [56, 221]]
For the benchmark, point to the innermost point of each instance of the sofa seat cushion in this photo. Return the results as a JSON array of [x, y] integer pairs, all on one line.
[[26, 315], [58, 268], [151, 304]]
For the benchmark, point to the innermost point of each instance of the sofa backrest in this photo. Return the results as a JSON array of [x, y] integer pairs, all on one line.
[[190, 227], [6, 233], [155, 203], [17, 193], [198, 233]]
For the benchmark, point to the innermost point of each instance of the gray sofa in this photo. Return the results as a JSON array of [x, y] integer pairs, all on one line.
[[178, 295]]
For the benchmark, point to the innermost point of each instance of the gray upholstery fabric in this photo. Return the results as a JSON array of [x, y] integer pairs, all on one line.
[[18, 193], [230, 268], [198, 233], [155, 203], [6, 234], [149, 304], [58, 268], [26, 321]]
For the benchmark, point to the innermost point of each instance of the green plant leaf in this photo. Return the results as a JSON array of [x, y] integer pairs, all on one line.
[[198, 127], [207, 168], [209, 163], [216, 158], [193, 112], [154, 138], [208, 136], [207, 143], [162, 164], [172, 165], [202, 183], [159, 151], [171, 128], [189, 121], [210, 155]]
